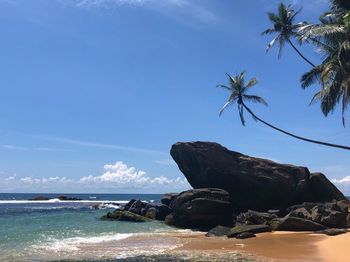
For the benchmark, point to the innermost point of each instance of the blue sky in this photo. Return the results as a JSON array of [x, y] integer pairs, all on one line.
[[93, 93]]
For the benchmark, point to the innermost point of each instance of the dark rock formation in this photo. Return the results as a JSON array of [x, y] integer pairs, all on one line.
[[124, 216], [65, 198], [218, 231], [40, 198], [330, 214], [239, 229], [289, 223], [254, 218], [168, 198], [201, 208], [245, 235], [332, 231], [253, 183]]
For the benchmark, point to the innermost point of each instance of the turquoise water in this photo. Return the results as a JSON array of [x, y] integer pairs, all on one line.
[[73, 231], [28, 227]]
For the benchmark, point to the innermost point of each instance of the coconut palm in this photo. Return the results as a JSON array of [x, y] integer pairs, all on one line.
[[333, 74], [238, 93], [238, 89], [284, 27]]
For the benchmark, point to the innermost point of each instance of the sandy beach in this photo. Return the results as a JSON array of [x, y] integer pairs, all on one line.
[[277, 246]]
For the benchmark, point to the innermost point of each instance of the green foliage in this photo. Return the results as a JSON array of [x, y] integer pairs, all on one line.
[[331, 37]]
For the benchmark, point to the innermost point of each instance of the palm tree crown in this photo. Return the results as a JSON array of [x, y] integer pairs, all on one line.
[[238, 89], [283, 25], [333, 74]]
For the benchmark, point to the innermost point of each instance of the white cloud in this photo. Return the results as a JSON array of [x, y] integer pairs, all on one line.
[[116, 178], [121, 176], [342, 181]]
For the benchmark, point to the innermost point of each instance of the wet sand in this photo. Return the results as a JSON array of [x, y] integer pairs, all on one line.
[[194, 246]]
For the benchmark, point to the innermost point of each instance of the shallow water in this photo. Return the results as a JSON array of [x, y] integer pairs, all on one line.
[[72, 231]]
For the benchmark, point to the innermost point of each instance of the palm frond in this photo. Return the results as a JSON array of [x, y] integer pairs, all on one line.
[[255, 99], [224, 107], [224, 86], [252, 82], [311, 77]]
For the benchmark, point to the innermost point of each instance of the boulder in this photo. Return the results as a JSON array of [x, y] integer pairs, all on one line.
[[289, 223], [168, 198], [40, 198], [330, 214], [162, 211], [239, 229], [245, 235], [124, 216], [254, 217], [253, 183], [151, 213], [218, 231], [65, 198], [129, 204], [332, 231], [136, 207], [202, 208]]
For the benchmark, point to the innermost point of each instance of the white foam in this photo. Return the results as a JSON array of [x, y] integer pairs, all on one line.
[[73, 243]]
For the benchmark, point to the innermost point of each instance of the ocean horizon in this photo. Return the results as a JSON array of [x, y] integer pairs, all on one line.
[[52, 230]]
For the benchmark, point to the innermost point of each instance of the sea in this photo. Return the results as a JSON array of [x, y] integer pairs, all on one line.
[[56, 230]]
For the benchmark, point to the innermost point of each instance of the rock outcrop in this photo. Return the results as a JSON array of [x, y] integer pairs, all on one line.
[[253, 183], [201, 208], [124, 216]]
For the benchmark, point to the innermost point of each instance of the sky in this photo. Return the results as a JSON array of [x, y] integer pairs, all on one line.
[[93, 93]]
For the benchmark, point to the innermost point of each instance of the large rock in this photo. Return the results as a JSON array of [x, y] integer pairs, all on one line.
[[124, 216], [290, 223], [330, 214], [253, 183], [201, 208], [240, 229]]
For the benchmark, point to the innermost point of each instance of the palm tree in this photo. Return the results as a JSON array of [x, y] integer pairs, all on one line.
[[238, 89], [283, 25], [238, 93], [333, 74]]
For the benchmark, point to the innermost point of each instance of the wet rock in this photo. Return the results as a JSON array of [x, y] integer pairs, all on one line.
[[129, 204], [218, 231], [239, 229], [65, 198], [151, 213], [124, 216], [136, 207], [162, 211], [40, 198]]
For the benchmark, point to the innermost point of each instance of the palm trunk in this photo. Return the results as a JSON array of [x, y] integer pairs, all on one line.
[[292, 135], [302, 56]]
